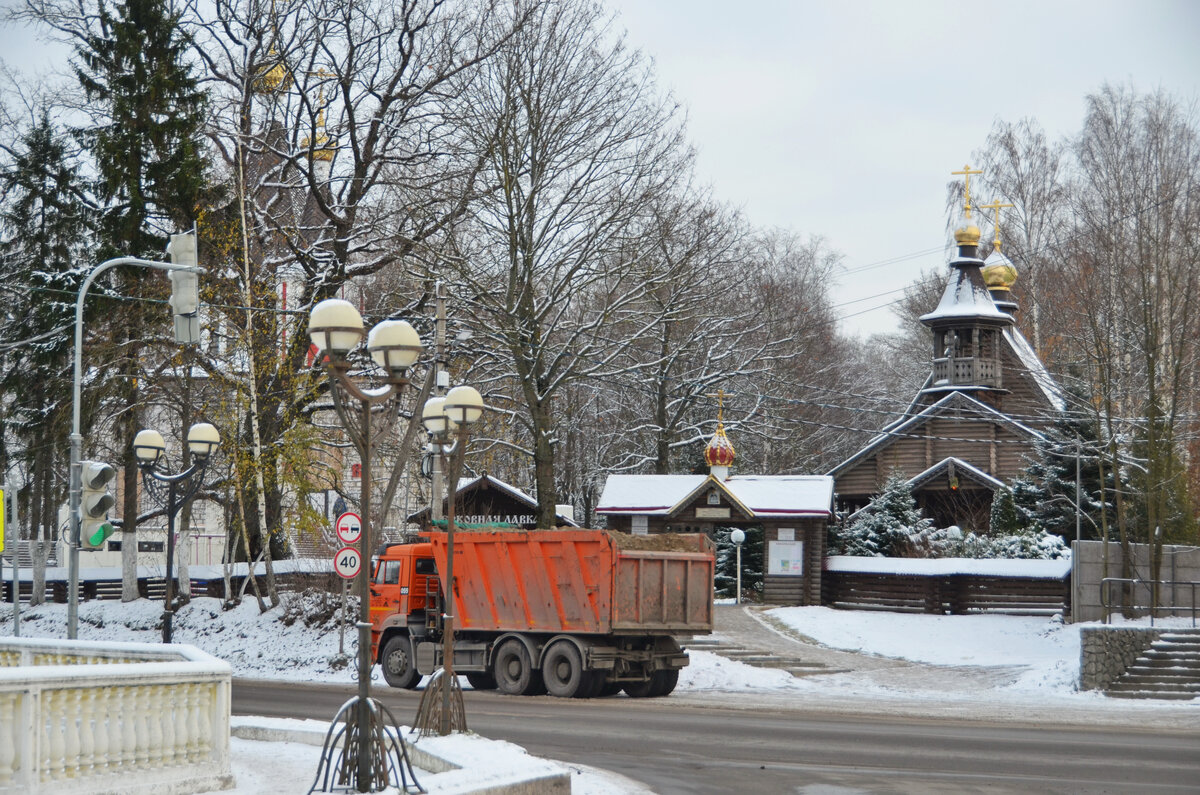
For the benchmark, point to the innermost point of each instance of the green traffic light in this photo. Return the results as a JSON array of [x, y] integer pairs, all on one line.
[[103, 531]]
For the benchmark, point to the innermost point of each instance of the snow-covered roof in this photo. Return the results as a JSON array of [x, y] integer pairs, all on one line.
[[764, 496], [1033, 365], [966, 296], [987, 567], [498, 485], [908, 425], [959, 466]]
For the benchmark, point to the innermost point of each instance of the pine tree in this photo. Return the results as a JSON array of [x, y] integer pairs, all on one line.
[[725, 579], [884, 527], [1006, 517], [42, 230], [148, 152], [1045, 491], [150, 167]]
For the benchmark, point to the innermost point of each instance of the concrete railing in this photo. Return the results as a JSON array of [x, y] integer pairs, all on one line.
[[94, 717]]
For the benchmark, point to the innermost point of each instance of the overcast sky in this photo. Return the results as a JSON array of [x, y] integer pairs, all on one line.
[[844, 119]]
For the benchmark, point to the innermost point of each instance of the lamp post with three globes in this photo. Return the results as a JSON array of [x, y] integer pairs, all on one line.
[[150, 450]]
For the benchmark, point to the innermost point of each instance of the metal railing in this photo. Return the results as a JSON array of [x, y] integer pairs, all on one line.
[[1131, 592]]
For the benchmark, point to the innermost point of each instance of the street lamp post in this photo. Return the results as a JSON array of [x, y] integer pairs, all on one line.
[[150, 450], [336, 328], [443, 417], [738, 537]]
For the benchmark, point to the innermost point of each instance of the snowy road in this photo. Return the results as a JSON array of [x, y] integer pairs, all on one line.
[[693, 745]]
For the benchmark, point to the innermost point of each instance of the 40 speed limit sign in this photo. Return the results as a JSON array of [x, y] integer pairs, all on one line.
[[346, 562]]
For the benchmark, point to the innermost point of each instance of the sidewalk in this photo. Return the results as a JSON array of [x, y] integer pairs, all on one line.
[[857, 684]]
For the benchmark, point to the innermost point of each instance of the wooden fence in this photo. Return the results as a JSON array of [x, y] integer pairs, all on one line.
[[92, 587], [953, 592]]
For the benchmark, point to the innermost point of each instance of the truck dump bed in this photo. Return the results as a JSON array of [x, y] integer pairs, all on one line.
[[580, 581]]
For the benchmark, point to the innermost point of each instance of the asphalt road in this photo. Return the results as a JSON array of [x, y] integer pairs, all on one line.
[[674, 745]]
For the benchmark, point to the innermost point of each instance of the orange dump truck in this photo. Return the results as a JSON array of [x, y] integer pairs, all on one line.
[[577, 613]]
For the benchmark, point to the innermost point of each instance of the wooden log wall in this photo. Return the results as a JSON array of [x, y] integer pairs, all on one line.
[[955, 594]]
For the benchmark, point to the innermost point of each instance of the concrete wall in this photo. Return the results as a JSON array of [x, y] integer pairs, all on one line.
[[1180, 564], [1105, 652]]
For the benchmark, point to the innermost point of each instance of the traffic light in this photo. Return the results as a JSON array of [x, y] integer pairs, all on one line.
[[185, 289], [94, 502]]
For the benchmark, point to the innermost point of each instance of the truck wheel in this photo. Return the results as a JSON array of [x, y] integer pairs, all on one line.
[[609, 689], [399, 666], [481, 680], [514, 670], [663, 682], [660, 683], [562, 670], [638, 689]]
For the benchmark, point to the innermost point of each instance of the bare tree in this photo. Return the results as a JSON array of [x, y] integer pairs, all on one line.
[[578, 145], [1024, 169], [1134, 197]]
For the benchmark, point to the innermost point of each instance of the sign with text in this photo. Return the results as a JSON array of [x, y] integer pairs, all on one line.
[[785, 558], [347, 563], [349, 527]]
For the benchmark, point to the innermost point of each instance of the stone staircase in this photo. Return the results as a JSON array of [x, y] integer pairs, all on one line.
[[760, 658], [1169, 669]]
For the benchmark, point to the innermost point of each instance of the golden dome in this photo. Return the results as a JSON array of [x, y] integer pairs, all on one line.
[[321, 149], [998, 272], [967, 232], [273, 80], [719, 451]]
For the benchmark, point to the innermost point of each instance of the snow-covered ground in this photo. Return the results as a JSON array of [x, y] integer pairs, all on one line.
[[993, 659]]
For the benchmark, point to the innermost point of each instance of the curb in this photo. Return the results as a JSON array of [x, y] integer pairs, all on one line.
[[451, 769]]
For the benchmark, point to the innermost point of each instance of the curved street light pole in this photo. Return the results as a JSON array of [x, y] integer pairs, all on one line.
[[336, 328], [76, 473], [149, 450]]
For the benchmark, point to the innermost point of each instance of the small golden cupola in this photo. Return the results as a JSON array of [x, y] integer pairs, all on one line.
[[999, 274], [323, 147], [719, 454]]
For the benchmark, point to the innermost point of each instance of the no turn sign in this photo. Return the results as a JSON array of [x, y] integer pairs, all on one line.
[[347, 562], [348, 527]]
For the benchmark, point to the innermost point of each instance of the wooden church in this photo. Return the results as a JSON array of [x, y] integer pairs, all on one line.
[[986, 402]]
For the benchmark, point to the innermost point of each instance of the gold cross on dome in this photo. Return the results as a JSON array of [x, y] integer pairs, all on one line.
[[995, 207], [720, 395], [966, 175]]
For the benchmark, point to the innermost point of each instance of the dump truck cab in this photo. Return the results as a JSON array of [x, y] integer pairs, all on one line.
[[405, 592]]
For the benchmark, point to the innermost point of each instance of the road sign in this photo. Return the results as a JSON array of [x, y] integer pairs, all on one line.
[[347, 562], [349, 527]]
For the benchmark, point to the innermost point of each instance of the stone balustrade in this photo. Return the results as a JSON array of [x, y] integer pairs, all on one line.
[[94, 717]]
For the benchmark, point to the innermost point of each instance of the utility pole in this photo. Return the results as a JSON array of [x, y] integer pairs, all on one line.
[[1075, 562]]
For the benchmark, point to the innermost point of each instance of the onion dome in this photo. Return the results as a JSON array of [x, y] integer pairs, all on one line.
[[719, 452], [275, 79], [322, 148], [966, 232], [998, 271]]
